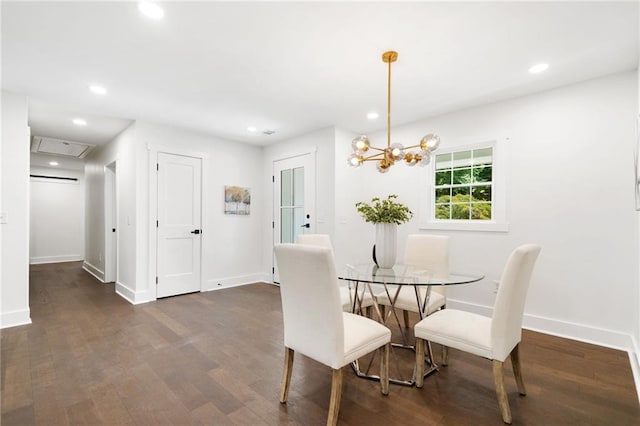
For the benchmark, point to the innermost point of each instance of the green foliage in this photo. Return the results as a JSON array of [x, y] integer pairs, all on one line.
[[461, 207], [384, 211]]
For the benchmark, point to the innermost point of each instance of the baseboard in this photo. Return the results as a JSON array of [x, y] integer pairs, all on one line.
[[634, 359], [37, 260], [131, 296], [15, 318], [93, 271], [584, 333], [220, 283]]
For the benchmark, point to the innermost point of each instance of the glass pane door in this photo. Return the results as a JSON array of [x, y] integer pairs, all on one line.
[[291, 204]]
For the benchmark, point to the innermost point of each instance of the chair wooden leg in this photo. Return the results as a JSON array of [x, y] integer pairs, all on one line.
[[286, 374], [419, 362], [517, 371], [383, 310], [367, 311], [336, 394], [384, 368], [501, 393], [445, 355], [405, 313]]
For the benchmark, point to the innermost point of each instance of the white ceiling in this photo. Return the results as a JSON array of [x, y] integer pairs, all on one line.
[[217, 67]]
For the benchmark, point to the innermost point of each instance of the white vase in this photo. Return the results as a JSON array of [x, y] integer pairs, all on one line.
[[386, 244]]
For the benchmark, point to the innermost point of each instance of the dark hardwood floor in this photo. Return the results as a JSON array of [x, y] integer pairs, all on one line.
[[216, 358]]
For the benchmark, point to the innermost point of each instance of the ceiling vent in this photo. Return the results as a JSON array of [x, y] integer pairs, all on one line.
[[52, 146]]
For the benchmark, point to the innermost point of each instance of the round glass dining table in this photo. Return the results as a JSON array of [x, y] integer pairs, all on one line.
[[363, 278]]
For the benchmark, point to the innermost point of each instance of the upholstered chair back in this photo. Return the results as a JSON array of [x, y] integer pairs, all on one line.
[[429, 252], [320, 240], [311, 306], [506, 324]]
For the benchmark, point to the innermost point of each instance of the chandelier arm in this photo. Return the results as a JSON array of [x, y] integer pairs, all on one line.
[[374, 157], [377, 149], [412, 146]]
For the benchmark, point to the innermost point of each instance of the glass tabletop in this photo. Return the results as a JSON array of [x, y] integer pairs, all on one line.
[[404, 275]]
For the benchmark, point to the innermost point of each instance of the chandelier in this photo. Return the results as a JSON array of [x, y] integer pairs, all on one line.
[[387, 157]]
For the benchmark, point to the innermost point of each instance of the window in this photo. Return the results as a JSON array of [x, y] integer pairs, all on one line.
[[467, 190], [463, 185]]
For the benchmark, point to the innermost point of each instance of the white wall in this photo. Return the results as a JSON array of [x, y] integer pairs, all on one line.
[[569, 188], [231, 245], [122, 150], [322, 142], [14, 283], [56, 216], [635, 361]]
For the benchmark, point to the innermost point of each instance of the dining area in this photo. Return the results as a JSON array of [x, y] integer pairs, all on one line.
[[382, 323]]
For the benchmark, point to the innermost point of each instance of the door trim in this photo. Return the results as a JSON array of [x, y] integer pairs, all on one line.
[[111, 206], [153, 210]]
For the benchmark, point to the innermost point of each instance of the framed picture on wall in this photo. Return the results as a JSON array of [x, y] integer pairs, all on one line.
[[237, 200]]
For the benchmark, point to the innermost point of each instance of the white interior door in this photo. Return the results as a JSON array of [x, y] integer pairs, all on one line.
[[293, 200], [179, 224]]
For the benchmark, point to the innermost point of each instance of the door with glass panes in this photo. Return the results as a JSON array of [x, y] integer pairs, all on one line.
[[293, 200]]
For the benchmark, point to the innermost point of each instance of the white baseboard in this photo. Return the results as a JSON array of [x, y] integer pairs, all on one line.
[[15, 318], [597, 336], [93, 271], [220, 283], [131, 296], [36, 260]]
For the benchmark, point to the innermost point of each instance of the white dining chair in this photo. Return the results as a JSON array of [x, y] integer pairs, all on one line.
[[316, 326], [426, 252], [350, 303], [495, 338]]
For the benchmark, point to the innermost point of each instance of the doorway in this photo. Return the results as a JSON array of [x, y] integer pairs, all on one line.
[[293, 200]]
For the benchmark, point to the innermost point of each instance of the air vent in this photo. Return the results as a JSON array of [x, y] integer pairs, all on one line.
[[60, 147]]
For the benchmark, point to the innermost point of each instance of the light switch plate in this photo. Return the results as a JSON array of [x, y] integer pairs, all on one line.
[[4, 217]]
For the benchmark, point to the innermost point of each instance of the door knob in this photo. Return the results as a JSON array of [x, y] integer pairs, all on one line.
[[306, 225], [196, 231]]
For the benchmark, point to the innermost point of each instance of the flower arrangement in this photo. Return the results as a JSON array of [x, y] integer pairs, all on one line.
[[384, 211]]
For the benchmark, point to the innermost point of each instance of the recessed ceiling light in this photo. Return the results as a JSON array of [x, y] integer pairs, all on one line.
[[98, 90], [151, 10], [251, 129], [79, 122], [538, 68], [372, 115], [53, 163]]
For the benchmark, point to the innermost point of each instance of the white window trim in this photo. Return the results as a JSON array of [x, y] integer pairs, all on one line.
[[499, 200]]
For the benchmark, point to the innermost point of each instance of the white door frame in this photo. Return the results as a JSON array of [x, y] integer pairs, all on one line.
[[111, 253], [312, 160], [153, 210]]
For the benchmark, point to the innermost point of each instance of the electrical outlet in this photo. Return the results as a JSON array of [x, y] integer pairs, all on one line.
[[497, 284], [4, 217]]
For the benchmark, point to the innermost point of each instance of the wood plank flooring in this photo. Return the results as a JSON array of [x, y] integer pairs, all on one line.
[[216, 358]]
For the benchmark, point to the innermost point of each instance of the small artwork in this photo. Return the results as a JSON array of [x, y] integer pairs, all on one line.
[[237, 200]]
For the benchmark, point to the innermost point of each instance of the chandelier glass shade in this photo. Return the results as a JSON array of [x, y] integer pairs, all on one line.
[[419, 153]]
